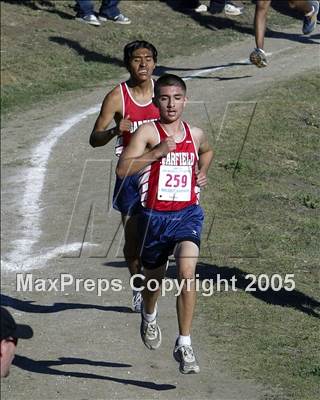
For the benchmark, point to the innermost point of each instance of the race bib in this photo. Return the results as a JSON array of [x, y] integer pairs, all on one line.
[[174, 183]]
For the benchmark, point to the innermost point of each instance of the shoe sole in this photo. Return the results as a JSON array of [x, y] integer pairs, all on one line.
[[190, 371], [102, 19], [87, 22], [122, 23], [235, 14]]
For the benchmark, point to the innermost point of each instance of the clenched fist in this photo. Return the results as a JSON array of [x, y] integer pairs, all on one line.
[[166, 146], [125, 124]]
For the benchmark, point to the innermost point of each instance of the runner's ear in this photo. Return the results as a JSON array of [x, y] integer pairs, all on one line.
[[185, 101], [155, 102]]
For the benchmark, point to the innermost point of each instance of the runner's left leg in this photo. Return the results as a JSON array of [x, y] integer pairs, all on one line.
[[186, 255]]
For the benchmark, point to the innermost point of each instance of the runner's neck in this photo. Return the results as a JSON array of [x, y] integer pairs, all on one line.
[[174, 129], [140, 90]]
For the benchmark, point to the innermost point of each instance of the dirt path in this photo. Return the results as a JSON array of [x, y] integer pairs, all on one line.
[[53, 182]]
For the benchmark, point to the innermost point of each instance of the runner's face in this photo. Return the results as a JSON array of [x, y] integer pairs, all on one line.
[[171, 102], [142, 65]]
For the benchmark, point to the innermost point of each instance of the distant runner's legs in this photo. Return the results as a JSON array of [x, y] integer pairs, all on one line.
[[309, 8], [131, 252]]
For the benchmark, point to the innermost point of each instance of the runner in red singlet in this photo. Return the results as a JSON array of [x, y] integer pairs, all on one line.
[[173, 160], [129, 104]]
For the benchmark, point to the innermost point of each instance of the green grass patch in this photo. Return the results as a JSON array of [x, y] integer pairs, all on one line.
[[46, 52], [264, 204]]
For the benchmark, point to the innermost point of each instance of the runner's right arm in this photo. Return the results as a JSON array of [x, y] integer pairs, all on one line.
[[111, 109], [135, 157]]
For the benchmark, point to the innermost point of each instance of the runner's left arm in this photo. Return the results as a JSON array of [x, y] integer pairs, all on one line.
[[205, 157]]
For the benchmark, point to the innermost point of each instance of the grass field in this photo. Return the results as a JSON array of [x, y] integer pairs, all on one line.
[[46, 52], [268, 197]]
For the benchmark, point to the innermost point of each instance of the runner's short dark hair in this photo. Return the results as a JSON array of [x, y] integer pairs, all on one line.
[[169, 80], [137, 44]]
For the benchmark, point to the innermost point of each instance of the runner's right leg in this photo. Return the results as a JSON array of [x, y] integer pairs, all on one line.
[[258, 56]]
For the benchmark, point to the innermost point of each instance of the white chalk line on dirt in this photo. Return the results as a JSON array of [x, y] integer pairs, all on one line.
[[21, 258]]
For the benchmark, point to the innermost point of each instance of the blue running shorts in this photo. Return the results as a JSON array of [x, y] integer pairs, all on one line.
[[126, 198], [162, 230]]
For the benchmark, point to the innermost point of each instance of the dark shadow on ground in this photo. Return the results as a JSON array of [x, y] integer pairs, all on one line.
[[294, 37], [37, 366], [161, 69], [45, 367], [282, 7], [116, 264], [216, 23], [217, 78], [27, 306], [87, 55], [219, 21], [207, 20], [294, 299], [43, 5], [186, 6]]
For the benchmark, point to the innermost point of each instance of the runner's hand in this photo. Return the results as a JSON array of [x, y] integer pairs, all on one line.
[[125, 124], [201, 179], [166, 146]]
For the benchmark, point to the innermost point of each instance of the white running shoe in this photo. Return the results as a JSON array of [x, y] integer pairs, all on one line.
[[89, 19], [185, 356], [150, 333], [202, 8], [231, 9]]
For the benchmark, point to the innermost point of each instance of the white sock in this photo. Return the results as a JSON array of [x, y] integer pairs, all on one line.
[[262, 51], [184, 340], [310, 13], [150, 317]]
